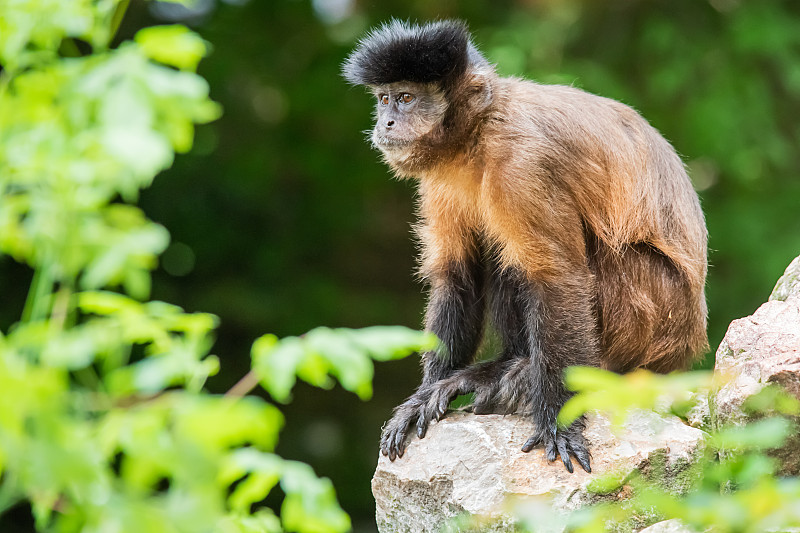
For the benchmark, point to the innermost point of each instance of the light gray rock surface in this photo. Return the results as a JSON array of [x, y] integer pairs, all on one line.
[[789, 284], [473, 464], [469, 463], [758, 350], [667, 526]]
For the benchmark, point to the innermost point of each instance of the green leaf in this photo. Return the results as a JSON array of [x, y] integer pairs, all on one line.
[[350, 364], [264, 468], [276, 364], [772, 398], [343, 353], [235, 422], [172, 45], [310, 504], [759, 435], [385, 343], [261, 521], [607, 482]]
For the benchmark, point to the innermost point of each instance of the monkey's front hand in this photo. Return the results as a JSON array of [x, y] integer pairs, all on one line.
[[427, 404], [562, 442], [393, 439]]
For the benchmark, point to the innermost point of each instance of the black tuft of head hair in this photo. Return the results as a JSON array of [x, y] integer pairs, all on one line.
[[398, 51]]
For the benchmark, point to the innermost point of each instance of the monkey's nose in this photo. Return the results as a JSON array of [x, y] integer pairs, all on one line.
[[390, 124]]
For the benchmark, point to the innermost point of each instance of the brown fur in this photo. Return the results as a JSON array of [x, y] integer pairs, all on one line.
[[558, 181]]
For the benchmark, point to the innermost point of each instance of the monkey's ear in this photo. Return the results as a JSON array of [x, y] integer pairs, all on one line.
[[398, 51]]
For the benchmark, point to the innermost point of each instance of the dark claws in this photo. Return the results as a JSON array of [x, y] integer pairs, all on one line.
[[550, 448], [582, 457], [531, 443], [417, 411], [444, 403], [400, 443], [422, 428], [563, 443]]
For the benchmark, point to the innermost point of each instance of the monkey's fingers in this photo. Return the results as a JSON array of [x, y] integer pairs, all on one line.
[[561, 444], [393, 444], [441, 407], [422, 427], [386, 449], [433, 411], [400, 443], [394, 436], [481, 409], [532, 443]]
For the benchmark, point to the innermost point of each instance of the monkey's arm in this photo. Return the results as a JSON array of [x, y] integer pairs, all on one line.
[[456, 315]]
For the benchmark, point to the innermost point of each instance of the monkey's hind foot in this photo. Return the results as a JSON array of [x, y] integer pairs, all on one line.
[[562, 442]]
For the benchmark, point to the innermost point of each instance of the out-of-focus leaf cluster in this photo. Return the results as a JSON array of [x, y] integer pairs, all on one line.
[[639, 389], [735, 487], [322, 353], [104, 421]]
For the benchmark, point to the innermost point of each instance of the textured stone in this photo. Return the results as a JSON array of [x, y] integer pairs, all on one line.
[[758, 350], [789, 284], [469, 463], [667, 526], [473, 464]]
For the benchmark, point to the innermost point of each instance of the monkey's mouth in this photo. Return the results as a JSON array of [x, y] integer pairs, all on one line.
[[389, 143]]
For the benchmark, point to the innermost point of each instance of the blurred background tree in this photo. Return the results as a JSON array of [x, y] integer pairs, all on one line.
[[282, 217]]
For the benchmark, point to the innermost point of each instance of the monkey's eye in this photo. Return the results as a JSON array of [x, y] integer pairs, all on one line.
[[384, 99], [406, 98]]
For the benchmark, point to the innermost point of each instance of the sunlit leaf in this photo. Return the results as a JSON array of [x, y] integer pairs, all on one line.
[[172, 45], [384, 343]]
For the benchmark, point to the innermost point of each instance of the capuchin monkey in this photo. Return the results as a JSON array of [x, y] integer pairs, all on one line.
[[560, 217]]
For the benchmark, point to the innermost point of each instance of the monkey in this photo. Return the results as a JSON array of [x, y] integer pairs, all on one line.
[[561, 219]]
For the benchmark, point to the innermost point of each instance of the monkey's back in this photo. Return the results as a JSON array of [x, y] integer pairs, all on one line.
[[644, 230]]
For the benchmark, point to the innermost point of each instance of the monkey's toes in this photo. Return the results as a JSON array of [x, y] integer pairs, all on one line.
[[571, 442], [562, 444]]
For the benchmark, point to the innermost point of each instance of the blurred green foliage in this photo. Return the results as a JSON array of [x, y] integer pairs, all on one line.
[[283, 219], [735, 486], [105, 422]]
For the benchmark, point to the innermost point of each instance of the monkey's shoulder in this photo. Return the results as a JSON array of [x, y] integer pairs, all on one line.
[[562, 114], [525, 99]]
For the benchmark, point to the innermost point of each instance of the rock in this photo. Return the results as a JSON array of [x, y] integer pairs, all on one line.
[[667, 526], [758, 350], [699, 416], [473, 464], [789, 284]]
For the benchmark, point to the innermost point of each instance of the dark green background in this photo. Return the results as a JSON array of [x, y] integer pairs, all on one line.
[[283, 219]]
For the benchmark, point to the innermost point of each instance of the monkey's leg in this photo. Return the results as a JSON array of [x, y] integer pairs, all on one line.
[[456, 315], [560, 330]]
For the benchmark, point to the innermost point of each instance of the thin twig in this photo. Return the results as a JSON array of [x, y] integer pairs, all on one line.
[[60, 310], [244, 386], [116, 19]]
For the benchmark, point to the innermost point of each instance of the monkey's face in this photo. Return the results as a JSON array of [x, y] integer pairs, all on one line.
[[404, 113]]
